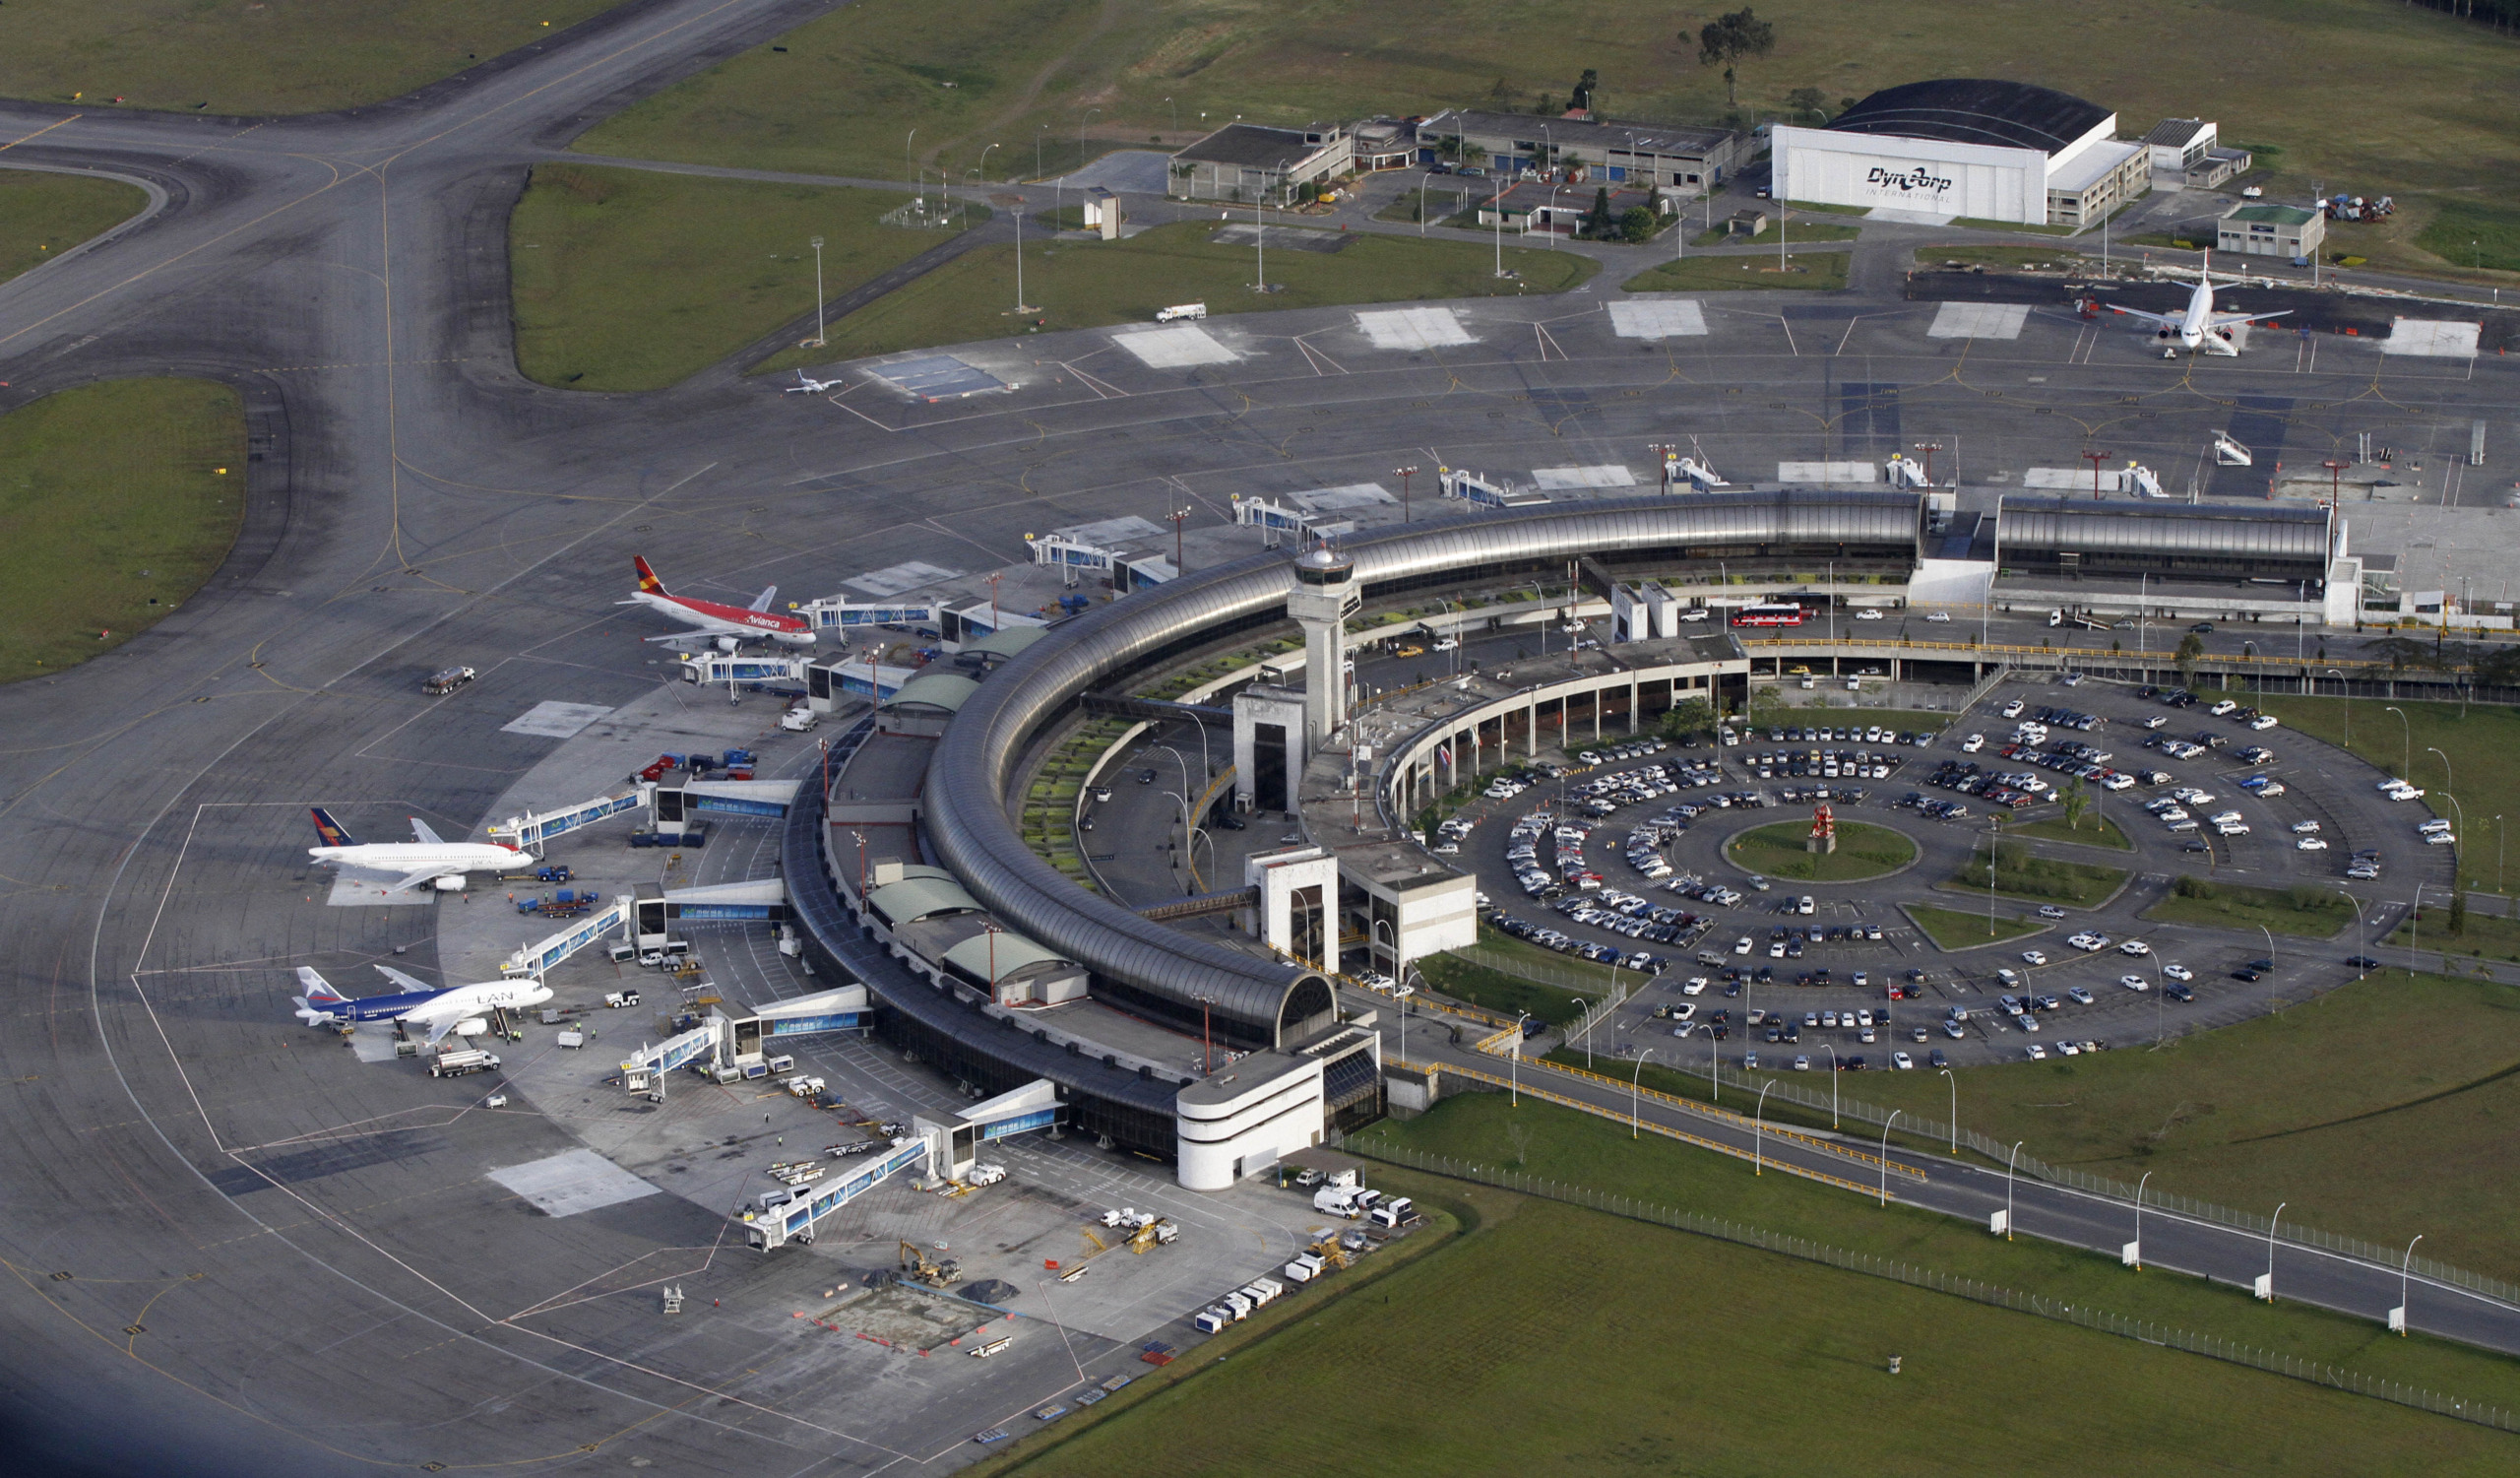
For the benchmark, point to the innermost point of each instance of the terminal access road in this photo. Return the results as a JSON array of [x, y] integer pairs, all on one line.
[[235, 1249]]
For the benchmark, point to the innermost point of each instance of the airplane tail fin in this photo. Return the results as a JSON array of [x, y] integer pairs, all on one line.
[[316, 1007], [423, 831], [648, 579], [329, 830]]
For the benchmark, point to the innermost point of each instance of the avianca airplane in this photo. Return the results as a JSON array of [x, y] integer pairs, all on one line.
[[430, 858], [417, 1004], [2199, 328], [726, 624]]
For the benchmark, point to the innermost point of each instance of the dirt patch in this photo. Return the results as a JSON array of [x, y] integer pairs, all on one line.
[[906, 1317]]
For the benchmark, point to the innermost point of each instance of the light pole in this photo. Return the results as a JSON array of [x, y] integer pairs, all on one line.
[[2271, 1223], [1758, 1130], [1588, 1033], [1955, 1110], [1885, 1154], [1426, 192], [2404, 1268], [1635, 1114], [2447, 779], [1662, 453], [2009, 1161], [982, 168], [919, 181], [1403, 473], [2139, 1220], [817, 243], [2497, 852], [1039, 129], [2406, 762], [2362, 933], [1831, 1049]]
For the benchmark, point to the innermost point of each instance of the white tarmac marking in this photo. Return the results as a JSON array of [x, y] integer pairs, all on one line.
[[1658, 318], [1177, 347], [1413, 328], [1978, 320], [554, 719]]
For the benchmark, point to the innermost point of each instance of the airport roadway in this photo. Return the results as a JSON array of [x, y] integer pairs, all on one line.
[[233, 1248]]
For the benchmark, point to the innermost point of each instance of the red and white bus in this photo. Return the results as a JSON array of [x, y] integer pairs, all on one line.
[[1769, 615]]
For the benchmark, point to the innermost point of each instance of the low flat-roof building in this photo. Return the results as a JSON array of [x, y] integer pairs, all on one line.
[[2271, 230], [1645, 156], [1248, 161]]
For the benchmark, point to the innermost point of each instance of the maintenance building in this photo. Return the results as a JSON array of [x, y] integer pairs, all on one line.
[[1989, 150]]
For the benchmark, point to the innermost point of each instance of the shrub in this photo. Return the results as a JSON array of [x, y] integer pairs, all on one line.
[[2195, 887]]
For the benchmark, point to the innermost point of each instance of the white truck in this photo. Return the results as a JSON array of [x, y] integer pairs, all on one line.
[[1180, 311], [1339, 1200], [468, 1059]]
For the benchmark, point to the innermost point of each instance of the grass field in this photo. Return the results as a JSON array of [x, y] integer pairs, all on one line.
[[43, 215], [2377, 1109], [2483, 938], [631, 280], [117, 501], [1958, 929], [2018, 874], [244, 57], [2483, 748], [1497, 990], [851, 84], [1089, 283], [1479, 1362], [2312, 912], [1819, 271], [2096, 831], [2472, 233], [1778, 851]]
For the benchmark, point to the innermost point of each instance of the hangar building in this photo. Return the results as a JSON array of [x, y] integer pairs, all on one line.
[[1995, 151]]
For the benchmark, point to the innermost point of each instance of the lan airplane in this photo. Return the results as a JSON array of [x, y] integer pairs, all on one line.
[[2199, 328], [429, 858], [726, 624], [417, 1004]]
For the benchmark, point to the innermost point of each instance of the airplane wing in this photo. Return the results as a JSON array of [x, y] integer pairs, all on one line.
[[680, 636], [2166, 320], [2226, 320], [411, 880], [437, 1029], [762, 601], [420, 831], [407, 981]]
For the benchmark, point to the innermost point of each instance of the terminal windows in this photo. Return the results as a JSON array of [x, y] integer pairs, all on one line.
[[1269, 786]]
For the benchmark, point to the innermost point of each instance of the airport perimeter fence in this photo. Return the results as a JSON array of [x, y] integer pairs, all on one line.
[[2315, 1373], [1939, 1132]]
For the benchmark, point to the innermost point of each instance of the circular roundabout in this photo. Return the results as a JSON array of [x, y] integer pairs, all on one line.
[[1783, 851]]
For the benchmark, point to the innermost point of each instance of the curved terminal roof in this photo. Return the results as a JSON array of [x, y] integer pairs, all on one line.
[[946, 691], [1014, 952], [2248, 533], [914, 898], [1976, 110], [1263, 997]]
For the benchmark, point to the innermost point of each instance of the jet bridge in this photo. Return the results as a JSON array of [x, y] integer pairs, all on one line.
[[534, 829], [795, 1221], [538, 957], [648, 1063]]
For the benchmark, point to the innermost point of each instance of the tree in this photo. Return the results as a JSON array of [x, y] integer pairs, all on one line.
[[1636, 224], [1808, 101], [2499, 668], [1728, 38], [2190, 647], [2076, 800], [1596, 221], [1582, 96], [2458, 910], [1690, 716]]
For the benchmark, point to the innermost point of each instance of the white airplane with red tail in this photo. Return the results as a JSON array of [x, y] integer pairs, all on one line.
[[726, 626]]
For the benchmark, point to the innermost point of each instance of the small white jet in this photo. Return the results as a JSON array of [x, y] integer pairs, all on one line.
[[804, 386], [429, 858], [2198, 330], [417, 1004]]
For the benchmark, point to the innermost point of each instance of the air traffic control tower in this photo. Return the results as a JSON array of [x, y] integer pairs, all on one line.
[[1323, 598]]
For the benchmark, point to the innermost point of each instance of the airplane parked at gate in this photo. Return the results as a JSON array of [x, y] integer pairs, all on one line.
[[417, 1004], [727, 626], [2199, 328], [429, 858], [804, 386]]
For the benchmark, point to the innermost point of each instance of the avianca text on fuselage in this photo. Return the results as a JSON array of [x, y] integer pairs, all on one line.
[[727, 625]]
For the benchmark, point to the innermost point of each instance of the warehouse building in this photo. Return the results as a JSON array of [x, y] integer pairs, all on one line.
[[1994, 150], [1248, 162], [1643, 156]]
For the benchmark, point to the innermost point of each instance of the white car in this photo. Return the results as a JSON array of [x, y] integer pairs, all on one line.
[[2439, 839], [1685, 1012], [2135, 947], [2304, 828], [1938, 617], [2038, 1054], [2068, 1049], [2178, 972], [1902, 1061], [1972, 743], [2226, 818], [1446, 643], [2033, 957], [2156, 721], [2310, 844], [2227, 706], [2135, 983], [2050, 910], [1696, 986], [1867, 616], [2013, 709], [2263, 722]]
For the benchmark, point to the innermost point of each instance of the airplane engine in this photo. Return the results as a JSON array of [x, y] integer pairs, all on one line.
[[451, 883], [473, 1026], [727, 644]]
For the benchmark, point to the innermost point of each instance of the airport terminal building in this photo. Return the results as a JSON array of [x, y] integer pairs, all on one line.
[[1988, 150]]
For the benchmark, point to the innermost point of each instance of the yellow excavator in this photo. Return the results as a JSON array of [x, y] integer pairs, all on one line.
[[935, 1273]]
